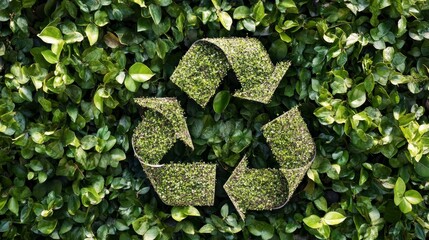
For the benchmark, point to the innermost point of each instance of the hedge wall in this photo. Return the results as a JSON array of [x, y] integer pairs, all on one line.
[[70, 70]]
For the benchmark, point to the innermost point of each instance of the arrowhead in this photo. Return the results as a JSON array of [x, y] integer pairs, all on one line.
[[184, 184], [256, 189], [208, 61]]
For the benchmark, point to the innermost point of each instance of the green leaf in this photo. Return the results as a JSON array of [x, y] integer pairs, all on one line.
[[73, 37], [50, 57], [333, 218], [258, 11], [422, 167], [13, 205], [225, 19], [155, 13], [140, 72], [241, 12], [399, 191], [357, 96], [413, 197], [224, 211], [221, 101], [117, 155], [178, 213], [313, 221], [46, 226], [207, 228], [51, 35], [151, 234], [91, 32], [141, 225], [405, 206]]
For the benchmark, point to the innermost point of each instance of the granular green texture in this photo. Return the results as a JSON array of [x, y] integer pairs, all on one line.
[[153, 137], [172, 112], [200, 71], [184, 184], [256, 189], [294, 177], [176, 184], [290, 140], [206, 63]]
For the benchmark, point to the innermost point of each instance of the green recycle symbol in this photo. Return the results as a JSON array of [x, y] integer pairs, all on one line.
[[199, 74]]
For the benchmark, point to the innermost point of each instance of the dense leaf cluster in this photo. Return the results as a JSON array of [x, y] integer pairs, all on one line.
[[70, 69]]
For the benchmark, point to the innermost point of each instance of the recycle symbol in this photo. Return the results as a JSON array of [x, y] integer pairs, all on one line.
[[199, 74]]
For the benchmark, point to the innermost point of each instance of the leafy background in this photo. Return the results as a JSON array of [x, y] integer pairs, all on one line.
[[70, 69]]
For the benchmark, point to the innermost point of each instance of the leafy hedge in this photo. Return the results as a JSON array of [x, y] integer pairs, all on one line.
[[70, 69]]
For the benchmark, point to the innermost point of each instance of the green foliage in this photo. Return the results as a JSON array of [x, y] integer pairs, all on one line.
[[66, 116]]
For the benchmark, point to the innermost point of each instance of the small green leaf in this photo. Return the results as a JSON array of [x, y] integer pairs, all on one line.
[[13, 205], [258, 11], [151, 234], [46, 226], [221, 101], [333, 218], [91, 32], [413, 197], [225, 19], [49, 56], [117, 155], [357, 96], [156, 13], [313, 221], [140, 72], [405, 206], [224, 211], [399, 191], [208, 228], [51, 35], [241, 12], [141, 225]]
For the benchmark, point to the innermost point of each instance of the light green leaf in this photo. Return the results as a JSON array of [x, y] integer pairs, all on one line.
[[399, 191], [313, 221], [241, 12], [51, 35], [413, 197], [357, 96], [333, 218], [73, 37], [225, 19], [208, 228], [13, 205], [405, 206], [91, 32], [140, 72], [151, 234], [49, 56], [117, 155], [258, 11], [156, 13]]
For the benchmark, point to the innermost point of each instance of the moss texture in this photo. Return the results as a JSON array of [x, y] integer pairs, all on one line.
[[292, 146], [184, 184], [163, 122], [207, 62], [256, 189], [153, 137], [172, 112], [290, 140]]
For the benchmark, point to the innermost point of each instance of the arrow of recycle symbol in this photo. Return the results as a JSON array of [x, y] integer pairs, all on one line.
[[199, 74]]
